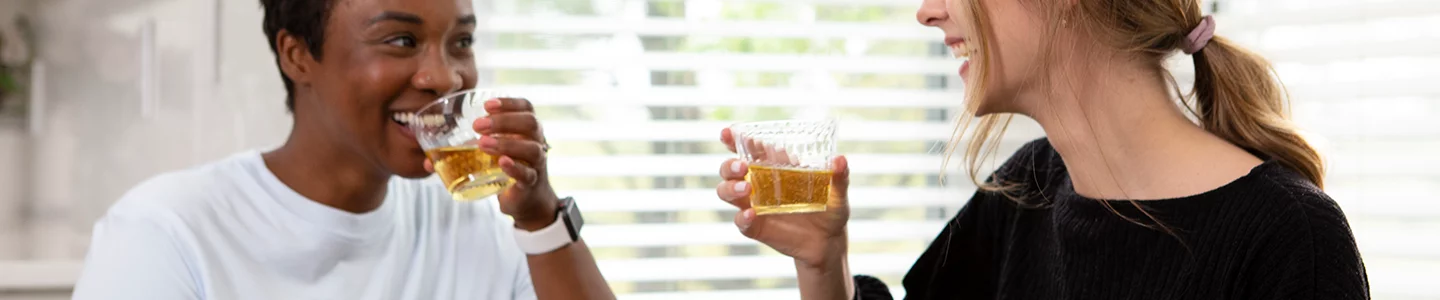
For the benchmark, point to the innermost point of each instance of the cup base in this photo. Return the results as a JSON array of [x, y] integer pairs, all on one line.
[[480, 186], [790, 209]]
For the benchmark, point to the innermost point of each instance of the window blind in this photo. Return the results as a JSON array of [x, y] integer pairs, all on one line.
[[634, 93]]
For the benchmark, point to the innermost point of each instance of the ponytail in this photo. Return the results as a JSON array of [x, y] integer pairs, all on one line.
[[1237, 97]]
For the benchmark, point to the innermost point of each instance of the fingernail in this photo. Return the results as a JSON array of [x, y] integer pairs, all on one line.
[[483, 124], [492, 104], [747, 217], [735, 167], [488, 142], [740, 187]]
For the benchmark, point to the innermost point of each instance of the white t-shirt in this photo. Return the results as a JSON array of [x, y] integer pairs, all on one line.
[[232, 230]]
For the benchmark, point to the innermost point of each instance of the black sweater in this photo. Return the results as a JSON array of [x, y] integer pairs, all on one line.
[[1268, 235]]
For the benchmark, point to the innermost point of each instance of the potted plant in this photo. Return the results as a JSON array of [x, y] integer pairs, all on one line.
[[15, 56]]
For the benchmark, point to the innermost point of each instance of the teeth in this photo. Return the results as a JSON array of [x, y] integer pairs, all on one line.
[[410, 118], [404, 118], [960, 51]]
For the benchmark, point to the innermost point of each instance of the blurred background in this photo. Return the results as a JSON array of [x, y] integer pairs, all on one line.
[[97, 95]]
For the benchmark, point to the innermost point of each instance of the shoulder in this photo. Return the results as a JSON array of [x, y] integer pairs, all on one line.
[[1294, 217], [1302, 234], [180, 192], [1276, 187]]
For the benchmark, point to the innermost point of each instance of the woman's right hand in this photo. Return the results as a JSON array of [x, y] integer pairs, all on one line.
[[814, 240]]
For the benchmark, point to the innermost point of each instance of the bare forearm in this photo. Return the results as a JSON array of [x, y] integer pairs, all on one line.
[[831, 282], [830, 278], [568, 273]]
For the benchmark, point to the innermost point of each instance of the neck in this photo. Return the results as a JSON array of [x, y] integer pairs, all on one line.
[[325, 172], [1121, 136]]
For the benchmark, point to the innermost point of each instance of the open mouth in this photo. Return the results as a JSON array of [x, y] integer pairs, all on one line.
[[410, 121], [959, 48], [404, 119]]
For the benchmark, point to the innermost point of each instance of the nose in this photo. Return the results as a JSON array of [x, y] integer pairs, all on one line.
[[932, 13], [437, 75]]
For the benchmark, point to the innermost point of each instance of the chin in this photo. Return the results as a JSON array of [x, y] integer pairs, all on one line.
[[409, 165], [990, 106], [412, 173]]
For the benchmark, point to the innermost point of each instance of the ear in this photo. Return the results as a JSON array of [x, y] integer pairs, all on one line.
[[296, 61]]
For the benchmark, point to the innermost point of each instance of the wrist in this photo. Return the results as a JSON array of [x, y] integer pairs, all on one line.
[[534, 224], [833, 253], [544, 214], [830, 280]]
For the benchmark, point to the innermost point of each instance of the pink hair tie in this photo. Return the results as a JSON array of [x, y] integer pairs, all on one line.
[[1198, 38]]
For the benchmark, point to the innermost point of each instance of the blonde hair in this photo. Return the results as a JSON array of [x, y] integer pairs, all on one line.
[[1236, 94]]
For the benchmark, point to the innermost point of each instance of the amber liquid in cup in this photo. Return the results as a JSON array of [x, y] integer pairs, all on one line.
[[790, 164], [778, 190], [443, 129], [468, 173]]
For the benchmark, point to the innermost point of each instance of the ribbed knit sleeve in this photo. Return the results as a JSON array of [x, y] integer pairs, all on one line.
[[871, 288], [1309, 253]]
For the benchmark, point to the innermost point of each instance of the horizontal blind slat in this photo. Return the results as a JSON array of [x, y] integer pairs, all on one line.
[[682, 234], [694, 96], [1355, 11], [740, 267], [709, 165], [1341, 164], [681, 27], [660, 200], [551, 59], [1421, 47], [550, 24], [692, 131]]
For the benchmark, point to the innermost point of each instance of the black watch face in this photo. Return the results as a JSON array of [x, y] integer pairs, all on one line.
[[573, 219]]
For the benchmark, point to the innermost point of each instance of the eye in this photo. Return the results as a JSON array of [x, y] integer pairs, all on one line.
[[465, 42], [402, 41]]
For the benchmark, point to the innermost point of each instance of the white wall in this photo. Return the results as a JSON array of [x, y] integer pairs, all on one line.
[[13, 165], [13, 189]]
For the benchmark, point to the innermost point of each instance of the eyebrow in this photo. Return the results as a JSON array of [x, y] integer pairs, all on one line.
[[414, 19], [396, 16]]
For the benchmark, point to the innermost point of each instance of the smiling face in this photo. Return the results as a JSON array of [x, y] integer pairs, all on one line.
[[1002, 43], [381, 59]]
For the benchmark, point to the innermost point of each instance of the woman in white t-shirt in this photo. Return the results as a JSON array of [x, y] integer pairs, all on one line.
[[338, 211]]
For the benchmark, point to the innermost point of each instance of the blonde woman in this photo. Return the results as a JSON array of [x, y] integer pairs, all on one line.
[[1126, 197]]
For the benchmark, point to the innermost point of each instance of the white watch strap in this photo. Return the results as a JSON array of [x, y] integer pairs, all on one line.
[[544, 240]]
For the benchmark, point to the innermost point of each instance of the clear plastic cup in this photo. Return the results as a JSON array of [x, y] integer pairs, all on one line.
[[790, 164], [445, 130]]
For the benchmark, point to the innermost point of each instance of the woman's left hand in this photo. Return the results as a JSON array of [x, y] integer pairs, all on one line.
[[512, 132]]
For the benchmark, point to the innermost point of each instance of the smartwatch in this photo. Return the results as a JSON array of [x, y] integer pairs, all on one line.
[[563, 232]]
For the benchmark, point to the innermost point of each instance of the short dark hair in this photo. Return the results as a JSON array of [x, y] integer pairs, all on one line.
[[304, 19]]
